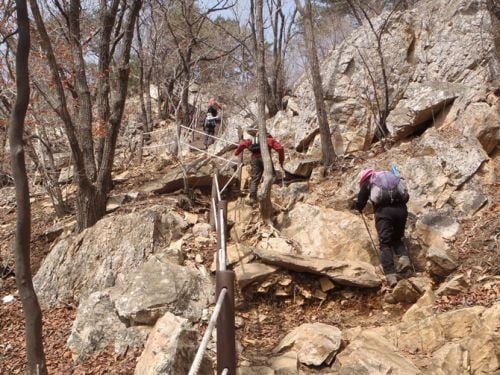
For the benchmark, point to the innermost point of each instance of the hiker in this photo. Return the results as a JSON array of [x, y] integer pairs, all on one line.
[[389, 196], [211, 121], [256, 163]]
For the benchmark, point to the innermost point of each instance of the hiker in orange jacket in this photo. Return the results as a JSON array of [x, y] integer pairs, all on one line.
[[256, 163]]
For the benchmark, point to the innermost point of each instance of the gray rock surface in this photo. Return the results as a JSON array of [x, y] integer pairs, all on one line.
[[249, 273], [441, 263], [105, 254], [97, 325], [170, 349], [315, 343], [159, 286]]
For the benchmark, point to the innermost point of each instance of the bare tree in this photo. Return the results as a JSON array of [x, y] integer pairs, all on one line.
[[327, 150], [92, 174], [266, 207], [24, 281]]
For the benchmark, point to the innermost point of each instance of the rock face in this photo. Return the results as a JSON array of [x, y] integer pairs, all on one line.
[[170, 349], [104, 254], [315, 343]]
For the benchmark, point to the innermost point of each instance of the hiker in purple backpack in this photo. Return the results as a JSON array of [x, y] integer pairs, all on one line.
[[389, 195]]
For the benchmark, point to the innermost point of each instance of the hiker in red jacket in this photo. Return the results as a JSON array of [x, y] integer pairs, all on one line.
[[256, 163]]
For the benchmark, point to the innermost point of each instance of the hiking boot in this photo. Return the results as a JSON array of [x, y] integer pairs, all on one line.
[[251, 201], [404, 263], [391, 279]]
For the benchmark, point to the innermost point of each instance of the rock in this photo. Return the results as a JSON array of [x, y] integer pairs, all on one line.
[[173, 179], [249, 273], [286, 364], [66, 175], [170, 349], [341, 239], [351, 273], [115, 201], [202, 230], [452, 358], [405, 292], [190, 218], [159, 286], [315, 343], [482, 121], [236, 253], [302, 167], [371, 354], [424, 103], [97, 326], [103, 254], [455, 285], [124, 176], [326, 284], [421, 309], [468, 202], [441, 264], [433, 227], [255, 370]]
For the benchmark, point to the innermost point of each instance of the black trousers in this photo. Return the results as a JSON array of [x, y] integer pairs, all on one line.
[[208, 140], [257, 166], [390, 222]]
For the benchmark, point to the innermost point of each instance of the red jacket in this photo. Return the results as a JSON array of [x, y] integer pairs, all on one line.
[[271, 142]]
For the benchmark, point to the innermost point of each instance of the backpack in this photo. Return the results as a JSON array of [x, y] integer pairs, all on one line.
[[255, 145], [387, 189], [210, 123]]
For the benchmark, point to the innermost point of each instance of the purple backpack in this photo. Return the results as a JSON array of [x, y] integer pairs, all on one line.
[[387, 189]]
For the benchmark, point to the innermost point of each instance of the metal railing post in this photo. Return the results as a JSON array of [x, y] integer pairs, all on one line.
[[221, 234], [213, 204], [226, 341]]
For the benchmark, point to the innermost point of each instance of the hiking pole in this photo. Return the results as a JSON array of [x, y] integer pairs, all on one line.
[[369, 234]]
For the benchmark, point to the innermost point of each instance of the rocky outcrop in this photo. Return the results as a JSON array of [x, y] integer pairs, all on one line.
[[123, 315], [444, 75], [105, 254], [170, 349]]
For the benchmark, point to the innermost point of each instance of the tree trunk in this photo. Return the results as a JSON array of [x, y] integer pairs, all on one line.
[[90, 205], [31, 308], [327, 150], [266, 207]]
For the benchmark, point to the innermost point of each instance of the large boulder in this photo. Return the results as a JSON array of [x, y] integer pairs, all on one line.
[[97, 326], [171, 348], [124, 314], [159, 286], [329, 234], [315, 343], [105, 254]]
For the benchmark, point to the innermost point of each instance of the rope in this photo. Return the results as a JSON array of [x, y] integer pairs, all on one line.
[[233, 176], [209, 135], [156, 146], [204, 341], [216, 179], [208, 153]]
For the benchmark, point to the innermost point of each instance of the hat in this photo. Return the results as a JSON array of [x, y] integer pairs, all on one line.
[[365, 175]]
